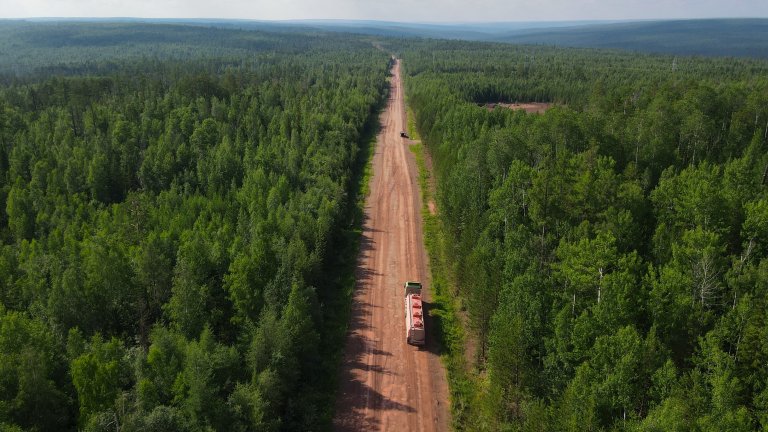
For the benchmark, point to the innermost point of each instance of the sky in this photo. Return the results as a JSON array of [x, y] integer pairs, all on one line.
[[391, 10]]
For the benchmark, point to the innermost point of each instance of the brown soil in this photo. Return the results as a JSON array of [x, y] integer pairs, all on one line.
[[529, 107], [387, 384], [431, 184], [432, 207]]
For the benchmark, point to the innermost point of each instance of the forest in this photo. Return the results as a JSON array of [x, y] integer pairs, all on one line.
[[176, 200], [170, 224], [610, 255]]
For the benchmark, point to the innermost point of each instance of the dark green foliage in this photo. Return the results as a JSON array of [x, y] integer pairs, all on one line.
[[610, 252], [31, 367], [167, 221]]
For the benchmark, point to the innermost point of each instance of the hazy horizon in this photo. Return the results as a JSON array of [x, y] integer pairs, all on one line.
[[42, 18], [420, 11]]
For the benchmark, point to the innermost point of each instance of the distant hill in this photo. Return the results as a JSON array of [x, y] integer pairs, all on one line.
[[720, 37], [742, 37], [63, 47], [737, 37]]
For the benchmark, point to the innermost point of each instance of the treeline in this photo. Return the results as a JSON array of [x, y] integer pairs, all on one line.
[[612, 253], [166, 232]]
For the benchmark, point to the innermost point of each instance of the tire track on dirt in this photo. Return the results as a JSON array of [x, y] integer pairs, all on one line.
[[387, 384]]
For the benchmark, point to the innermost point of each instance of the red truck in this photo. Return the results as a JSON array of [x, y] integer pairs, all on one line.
[[415, 333]]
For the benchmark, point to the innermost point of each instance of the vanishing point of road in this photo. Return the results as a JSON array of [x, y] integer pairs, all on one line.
[[387, 384]]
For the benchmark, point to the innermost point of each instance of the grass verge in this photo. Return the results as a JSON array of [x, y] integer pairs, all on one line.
[[448, 328], [412, 131]]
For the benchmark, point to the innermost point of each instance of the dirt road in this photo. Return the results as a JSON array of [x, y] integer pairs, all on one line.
[[387, 384]]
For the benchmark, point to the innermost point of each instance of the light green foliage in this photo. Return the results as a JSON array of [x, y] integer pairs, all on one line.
[[20, 211], [164, 362], [755, 228], [583, 266], [672, 415], [99, 374], [203, 380]]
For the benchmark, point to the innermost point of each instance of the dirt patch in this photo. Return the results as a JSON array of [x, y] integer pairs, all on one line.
[[432, 207], [529, 107]]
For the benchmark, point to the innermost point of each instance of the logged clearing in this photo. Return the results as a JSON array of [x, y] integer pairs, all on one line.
[[529, 107], [387, 384]]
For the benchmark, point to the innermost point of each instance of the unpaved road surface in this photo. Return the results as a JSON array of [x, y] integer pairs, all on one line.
[[387, 384]]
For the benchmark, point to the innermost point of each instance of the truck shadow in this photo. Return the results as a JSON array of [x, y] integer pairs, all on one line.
[[433, 322]]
